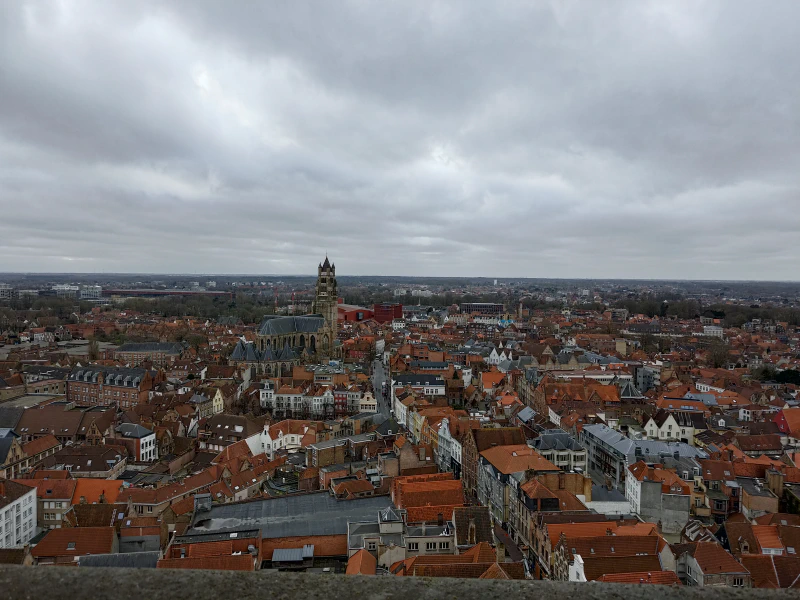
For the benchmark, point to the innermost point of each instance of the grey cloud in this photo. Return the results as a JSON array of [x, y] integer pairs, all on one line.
[[614, 139]]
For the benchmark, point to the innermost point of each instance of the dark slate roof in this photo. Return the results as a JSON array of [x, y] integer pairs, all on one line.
[[287, 516], [428, 364], [387, 426], [419, 379], [556, 440], [7, 437], [113, 376], [249, 352], [139, 543], [10, 416], [44, 371], [277, 325], [129, 430], [166, 347], [129, 560]]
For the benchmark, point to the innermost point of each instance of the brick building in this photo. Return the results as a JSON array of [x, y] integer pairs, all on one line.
[[156, 352], [107, 385]]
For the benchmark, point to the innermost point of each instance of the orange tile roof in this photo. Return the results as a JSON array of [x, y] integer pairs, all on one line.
[[91, 489], [768, 536], [516, 459], [362, 563]]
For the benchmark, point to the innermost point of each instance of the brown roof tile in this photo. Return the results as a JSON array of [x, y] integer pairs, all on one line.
[[75, 541]]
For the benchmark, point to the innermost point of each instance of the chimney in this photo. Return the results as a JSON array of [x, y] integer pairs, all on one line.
[[83, 500], [501, 552], [472, 532], [609, 532], [440, 519], [102, 498]]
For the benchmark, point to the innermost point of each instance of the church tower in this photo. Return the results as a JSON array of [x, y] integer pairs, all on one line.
[[326, 304]]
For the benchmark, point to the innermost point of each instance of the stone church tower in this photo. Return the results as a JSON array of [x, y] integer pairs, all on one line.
[[326, 304]]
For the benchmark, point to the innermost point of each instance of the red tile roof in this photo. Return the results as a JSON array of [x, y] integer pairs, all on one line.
[[37, 445], [644, 577], [75, 541], [324, 545]]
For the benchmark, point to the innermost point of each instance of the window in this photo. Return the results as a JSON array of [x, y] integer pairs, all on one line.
[[371, 545], [413, 546], [430, 546], [444, 545], [738, 582]]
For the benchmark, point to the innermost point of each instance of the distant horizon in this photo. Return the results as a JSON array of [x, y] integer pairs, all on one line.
[[346, 275]]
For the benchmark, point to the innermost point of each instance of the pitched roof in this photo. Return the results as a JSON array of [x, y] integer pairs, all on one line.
[[517, 459], [466, 517], [92, 515], [57, 489], [11, 491], [75, 541], [596, 567], [772, 571], [92, 489], [40, 444], [324, 545], [239, 562], [644, 577], [502, 436], [713, 558], [362, 563]]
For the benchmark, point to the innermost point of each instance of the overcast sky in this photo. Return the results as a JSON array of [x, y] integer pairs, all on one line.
[[514, 139]]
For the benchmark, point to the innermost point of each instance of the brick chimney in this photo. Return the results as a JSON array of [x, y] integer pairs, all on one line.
[[501, 552]]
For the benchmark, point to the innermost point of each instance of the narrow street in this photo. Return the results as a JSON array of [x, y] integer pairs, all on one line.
[[379, 375]]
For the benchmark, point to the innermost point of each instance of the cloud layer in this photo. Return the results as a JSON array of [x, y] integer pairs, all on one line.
[[546, 139]]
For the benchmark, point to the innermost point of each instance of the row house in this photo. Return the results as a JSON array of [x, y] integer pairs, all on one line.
[[111, 385], [423, 383], [550, 527], [561, 449], [451, 433], [54, 498], [659, 495], [545, 493], [68, 423], [314, 401], [722, 492], [675, 426], [21, 457], [501, 469], [478, 440], [285, 436]]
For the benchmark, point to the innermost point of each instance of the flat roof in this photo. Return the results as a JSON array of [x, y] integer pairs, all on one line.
[[286, 516]]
